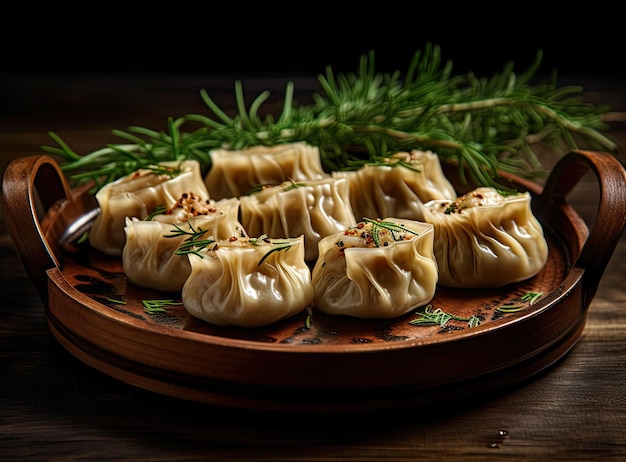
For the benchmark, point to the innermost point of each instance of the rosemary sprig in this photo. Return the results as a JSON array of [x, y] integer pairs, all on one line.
[[519, 304], [265, 239], [193, 246], [158, 306], [171, 172], [394, 229], [485, 125], [158, 210], [290, 184], [428, 317], [394, 164], [194, 243]]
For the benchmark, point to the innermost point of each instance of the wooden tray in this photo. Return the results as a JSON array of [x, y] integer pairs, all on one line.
[[321, 364]]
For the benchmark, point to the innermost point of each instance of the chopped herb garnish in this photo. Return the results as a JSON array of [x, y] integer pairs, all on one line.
[[258, 188], [308, 321], [194, 243], [288, 187], [178, 231], [387, 162], [194, 246], [397, 231], [451, 208], [158, 210], [427, 317], [163, 170], [293, 185], [158, 306], [264, 239], [521, 303]]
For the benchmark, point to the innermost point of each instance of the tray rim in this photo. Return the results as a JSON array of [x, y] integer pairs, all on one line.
[[542, 304], [56, 277]]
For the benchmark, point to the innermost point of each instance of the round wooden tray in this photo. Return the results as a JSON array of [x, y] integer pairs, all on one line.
[[317, 363]]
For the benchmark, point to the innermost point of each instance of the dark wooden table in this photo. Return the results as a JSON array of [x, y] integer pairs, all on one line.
[[53, 407]]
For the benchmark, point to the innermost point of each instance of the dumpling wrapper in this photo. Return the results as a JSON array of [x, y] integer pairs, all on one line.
[[136, 196], [399, 187], [357, 277], [248, 282], [486, 240], [313, 208], [234, 173], [149, 256]]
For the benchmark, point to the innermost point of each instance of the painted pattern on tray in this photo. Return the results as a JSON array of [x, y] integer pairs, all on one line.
[[101, 278]]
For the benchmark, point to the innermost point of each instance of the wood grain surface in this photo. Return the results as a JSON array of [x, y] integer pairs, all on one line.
[[53, 407]]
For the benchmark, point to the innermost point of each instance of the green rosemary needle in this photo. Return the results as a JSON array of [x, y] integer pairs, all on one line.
[[528, 299], [277, 245], [159, 305], [194, 243], [429, 317], [158, 210], [484, 125], [396, 231]]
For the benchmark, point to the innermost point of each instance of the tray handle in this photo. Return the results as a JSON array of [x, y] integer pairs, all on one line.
[[31, 187], [610, 218]]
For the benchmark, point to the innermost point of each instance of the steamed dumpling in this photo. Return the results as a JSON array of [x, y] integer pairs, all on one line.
[[249, 282], [139, 194], [313, 208], [486, 240], [234, 173], [399, 186], [150, 257], [376, 269]]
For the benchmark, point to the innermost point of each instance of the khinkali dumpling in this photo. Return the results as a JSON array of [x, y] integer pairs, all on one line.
[[398, 186], [234, 173], [313, 208], [376, 269], [249, 282], [486, 240], [150, 257], [139, 194]]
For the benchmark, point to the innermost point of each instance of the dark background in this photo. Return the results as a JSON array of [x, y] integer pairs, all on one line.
[[283, 38]]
